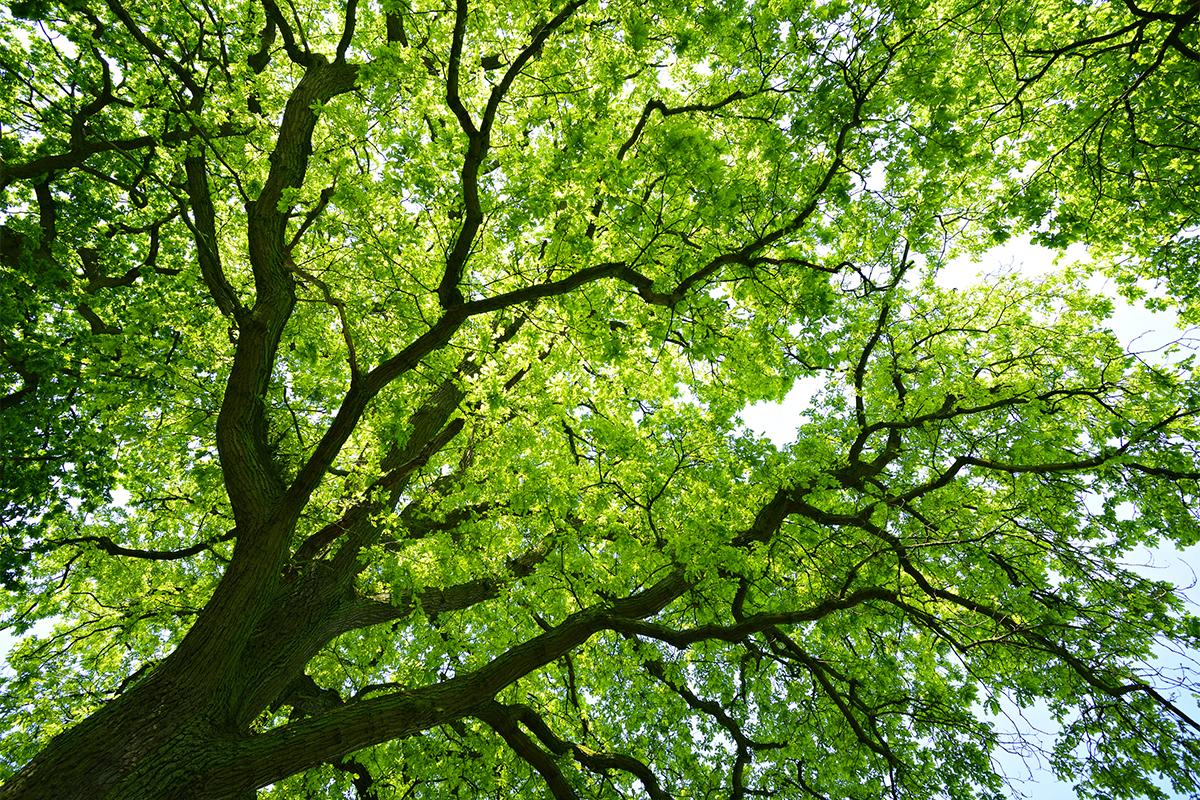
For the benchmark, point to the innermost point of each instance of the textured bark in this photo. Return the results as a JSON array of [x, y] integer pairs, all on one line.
[[155, 741], [162, 741]]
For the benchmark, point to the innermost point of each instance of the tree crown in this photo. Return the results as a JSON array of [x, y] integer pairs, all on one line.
[[373, 374]]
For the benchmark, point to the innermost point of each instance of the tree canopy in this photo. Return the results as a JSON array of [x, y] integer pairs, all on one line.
[[372, 375]]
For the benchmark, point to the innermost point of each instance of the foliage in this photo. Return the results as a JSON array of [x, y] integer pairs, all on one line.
[[373, 371]]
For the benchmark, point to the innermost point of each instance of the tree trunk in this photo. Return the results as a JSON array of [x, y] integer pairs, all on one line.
[[151, 743]]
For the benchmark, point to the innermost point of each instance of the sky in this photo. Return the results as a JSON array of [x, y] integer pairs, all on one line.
[[1139, 330]]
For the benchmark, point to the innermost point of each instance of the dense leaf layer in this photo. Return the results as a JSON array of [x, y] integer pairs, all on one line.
[[373, 374]]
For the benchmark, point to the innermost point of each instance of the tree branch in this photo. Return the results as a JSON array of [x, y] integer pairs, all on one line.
[[283, 751], [204, 230], [503, 718], [107, 545], [500, 719], [755, 623]]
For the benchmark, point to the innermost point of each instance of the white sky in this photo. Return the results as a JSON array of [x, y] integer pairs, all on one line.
[[1138, 330]]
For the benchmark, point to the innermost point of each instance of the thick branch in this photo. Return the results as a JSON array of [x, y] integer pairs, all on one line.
[[504, 718], [251, 479], [80, 152], [478, 141], [204, 229], [681, 638], [107, 545], [443, 600], [503, 722], [298, 53], [294, 747]]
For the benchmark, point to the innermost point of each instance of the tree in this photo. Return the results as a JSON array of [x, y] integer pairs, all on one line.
[[373, 373]]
